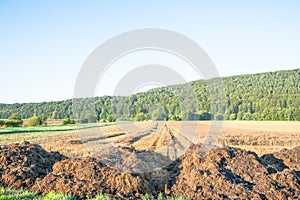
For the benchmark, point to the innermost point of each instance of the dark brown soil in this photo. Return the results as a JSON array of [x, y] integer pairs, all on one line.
[[87, 177], [290, 158], [21, 164], [232, 173], [223, 173]]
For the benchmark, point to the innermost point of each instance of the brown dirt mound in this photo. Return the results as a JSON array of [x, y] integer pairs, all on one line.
[[88, 177], [21, 164], [223, 173], [231, 173], [290, 157]]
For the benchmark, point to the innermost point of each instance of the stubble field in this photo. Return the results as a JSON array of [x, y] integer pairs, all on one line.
[[260, 137]]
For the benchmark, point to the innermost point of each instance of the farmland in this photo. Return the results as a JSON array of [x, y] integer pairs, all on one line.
[[157, 157], [157, 100], [260, 137]]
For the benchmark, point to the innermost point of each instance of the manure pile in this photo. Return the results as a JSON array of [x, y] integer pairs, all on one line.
[[223, 173], [22, 164], [233, 173]]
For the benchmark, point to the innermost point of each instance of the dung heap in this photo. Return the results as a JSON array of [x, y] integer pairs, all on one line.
[[222, 173], [232, 173], [87, 177], [21, 164]]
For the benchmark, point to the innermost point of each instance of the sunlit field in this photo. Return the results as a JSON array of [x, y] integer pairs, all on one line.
[[261, 137]]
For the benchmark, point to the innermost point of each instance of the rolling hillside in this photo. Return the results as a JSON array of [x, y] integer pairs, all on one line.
[[264, 96]]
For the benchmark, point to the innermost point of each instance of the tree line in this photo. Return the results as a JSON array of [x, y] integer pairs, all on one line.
[[265, 96]]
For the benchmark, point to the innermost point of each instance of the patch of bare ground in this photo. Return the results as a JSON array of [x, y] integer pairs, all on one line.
[[88, 177], [166, 141], [21, 164], [261, 137], [232, 173]]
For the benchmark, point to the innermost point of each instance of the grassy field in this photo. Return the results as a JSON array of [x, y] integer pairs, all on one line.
[[49, 128], [11, 194]]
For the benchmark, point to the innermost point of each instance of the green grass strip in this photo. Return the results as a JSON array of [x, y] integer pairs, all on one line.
[[51, 128]]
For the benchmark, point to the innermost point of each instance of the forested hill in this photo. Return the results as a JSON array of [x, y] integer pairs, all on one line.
[[264, 96]]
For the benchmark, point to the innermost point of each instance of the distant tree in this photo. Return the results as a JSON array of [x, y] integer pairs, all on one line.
[[160, 114], [110, 118], [140, 117], [175, 118], [189, 115], [37, 120], [34, 121], [2, 123], [240, 116], [68, 121], [15, 116], [91, 118], [13, 123], [255, 116], [54, 115], [232, 116], [14, 120], [218, 117], [43, 119], [204, 115], [247, 116], [84, 120]]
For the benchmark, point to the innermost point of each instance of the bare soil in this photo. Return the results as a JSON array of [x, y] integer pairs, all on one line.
[[223, 173], [232, 173], [260, 137], [88, 177], [131, 160], [21, 164]]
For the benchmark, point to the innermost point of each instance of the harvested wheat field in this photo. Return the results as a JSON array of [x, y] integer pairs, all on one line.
[[130, 160]]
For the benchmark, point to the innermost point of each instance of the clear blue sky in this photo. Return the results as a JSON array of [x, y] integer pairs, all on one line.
[[44, 43]]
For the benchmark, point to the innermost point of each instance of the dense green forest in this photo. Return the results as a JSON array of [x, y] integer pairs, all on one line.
[[264, 96]]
